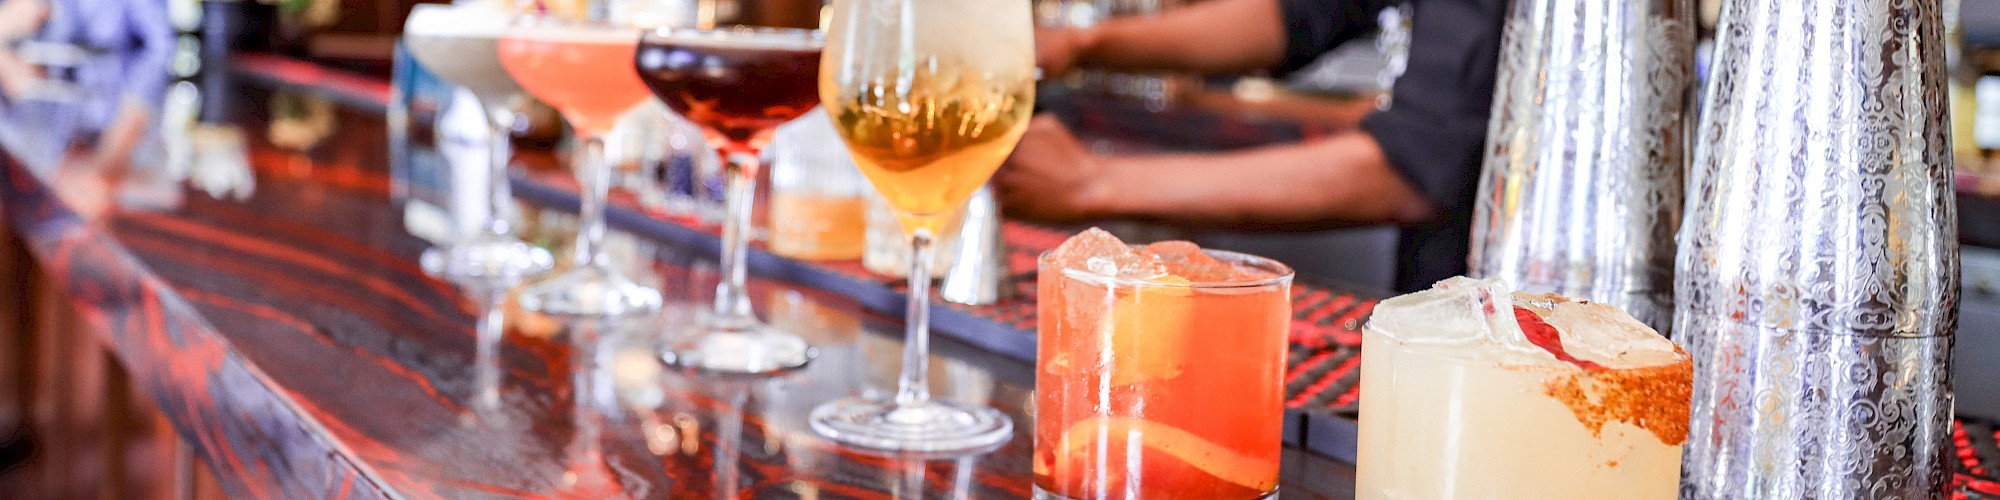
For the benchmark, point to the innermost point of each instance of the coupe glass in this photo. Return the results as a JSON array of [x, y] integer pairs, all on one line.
[[738, 84], [458, 43], [581, 63], [930, 96]]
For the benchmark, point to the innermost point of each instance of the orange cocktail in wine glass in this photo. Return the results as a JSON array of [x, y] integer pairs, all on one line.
[[930, 97]]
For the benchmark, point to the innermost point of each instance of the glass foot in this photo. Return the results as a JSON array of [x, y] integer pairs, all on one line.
[[590, 291], [928, 427], [487, 257], [1042, 494], [751, 349]]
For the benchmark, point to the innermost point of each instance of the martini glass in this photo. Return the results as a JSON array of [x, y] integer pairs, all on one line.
[[930, 97], [582, 66], [738, 84], [457, 43]]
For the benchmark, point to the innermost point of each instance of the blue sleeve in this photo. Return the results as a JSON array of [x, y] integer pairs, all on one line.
[[152, 36]]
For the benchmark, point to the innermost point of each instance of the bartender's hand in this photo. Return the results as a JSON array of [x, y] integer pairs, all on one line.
[[121, 136], [17, 77], [1051, 177], [21, 18], [1058, 50]]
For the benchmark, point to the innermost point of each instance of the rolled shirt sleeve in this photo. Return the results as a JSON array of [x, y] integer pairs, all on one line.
[[1313, 27], [1434, 131]]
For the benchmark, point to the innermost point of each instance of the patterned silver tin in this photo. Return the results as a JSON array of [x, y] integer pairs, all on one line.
[[978, 274], [1818, 268], [1586, 152]]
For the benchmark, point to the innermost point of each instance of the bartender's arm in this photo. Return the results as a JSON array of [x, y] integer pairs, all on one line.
[[1339, 181], [1216, 36], [1343, 180], [18, 19], [1211, 37]]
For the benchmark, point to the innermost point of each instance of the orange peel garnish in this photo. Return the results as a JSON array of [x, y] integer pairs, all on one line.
[[1150, 332], [1254, 473]]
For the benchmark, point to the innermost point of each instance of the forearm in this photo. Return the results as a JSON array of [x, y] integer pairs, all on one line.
[[1341, 181], [1211, 37], [122, 135]]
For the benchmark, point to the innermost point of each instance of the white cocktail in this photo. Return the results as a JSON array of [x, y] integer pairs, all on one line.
[[1469, 390], [457, 43]]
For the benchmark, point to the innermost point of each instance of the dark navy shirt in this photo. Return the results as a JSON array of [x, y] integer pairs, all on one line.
[[1434, 131]]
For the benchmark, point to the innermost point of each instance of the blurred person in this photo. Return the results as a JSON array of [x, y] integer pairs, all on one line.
[[78, 72], [1415, 163]]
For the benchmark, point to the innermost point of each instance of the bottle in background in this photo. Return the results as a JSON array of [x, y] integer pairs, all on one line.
[[818, 211], [889, 255]]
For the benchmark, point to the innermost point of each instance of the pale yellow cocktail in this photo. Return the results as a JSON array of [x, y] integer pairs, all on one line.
[[1469, 390]]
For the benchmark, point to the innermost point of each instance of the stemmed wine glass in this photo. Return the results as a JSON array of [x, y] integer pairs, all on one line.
[[738, 84], [580, 63], [930, 96], [457, 43]]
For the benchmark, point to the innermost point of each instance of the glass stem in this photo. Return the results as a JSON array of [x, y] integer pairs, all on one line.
[[596, 176], [487, 352], [728, 453], [585, 472], [732, 302], [499, 124], [914, 388]]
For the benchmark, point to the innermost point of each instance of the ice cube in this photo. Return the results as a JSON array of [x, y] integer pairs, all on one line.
[[1476, 319], [1101, 265], [1601, 333], [1185, 259], [1099, 252], [1455, 311]]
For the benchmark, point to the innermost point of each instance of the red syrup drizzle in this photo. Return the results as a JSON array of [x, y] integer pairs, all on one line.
[[1545, 336]]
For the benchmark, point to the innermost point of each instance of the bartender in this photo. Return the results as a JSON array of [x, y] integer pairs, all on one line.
[[1415, 163], [112, 59]]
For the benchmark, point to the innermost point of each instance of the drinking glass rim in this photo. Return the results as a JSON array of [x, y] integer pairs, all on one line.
[[533, 18], [813, 37], [1284, 272], [506, 20]]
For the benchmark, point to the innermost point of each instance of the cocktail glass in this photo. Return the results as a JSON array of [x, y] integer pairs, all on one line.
[[1160, 371], [459, 44], [1470, 390], [930, 97], [738, 84], [582, 66]]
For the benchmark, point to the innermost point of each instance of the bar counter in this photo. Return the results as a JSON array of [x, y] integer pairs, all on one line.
[[281, 321]]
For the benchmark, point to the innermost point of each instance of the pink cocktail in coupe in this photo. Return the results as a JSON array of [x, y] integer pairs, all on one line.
[[584, 70]]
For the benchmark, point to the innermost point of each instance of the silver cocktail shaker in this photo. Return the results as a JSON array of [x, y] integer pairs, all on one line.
[[1585, 152], [1818, 268]]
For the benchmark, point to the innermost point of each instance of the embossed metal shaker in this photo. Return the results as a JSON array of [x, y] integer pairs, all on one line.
[[1586, 150], [1818, 268], [978, 275]]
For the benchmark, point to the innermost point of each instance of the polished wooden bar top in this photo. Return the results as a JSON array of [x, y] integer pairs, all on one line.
[[267, 296]]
